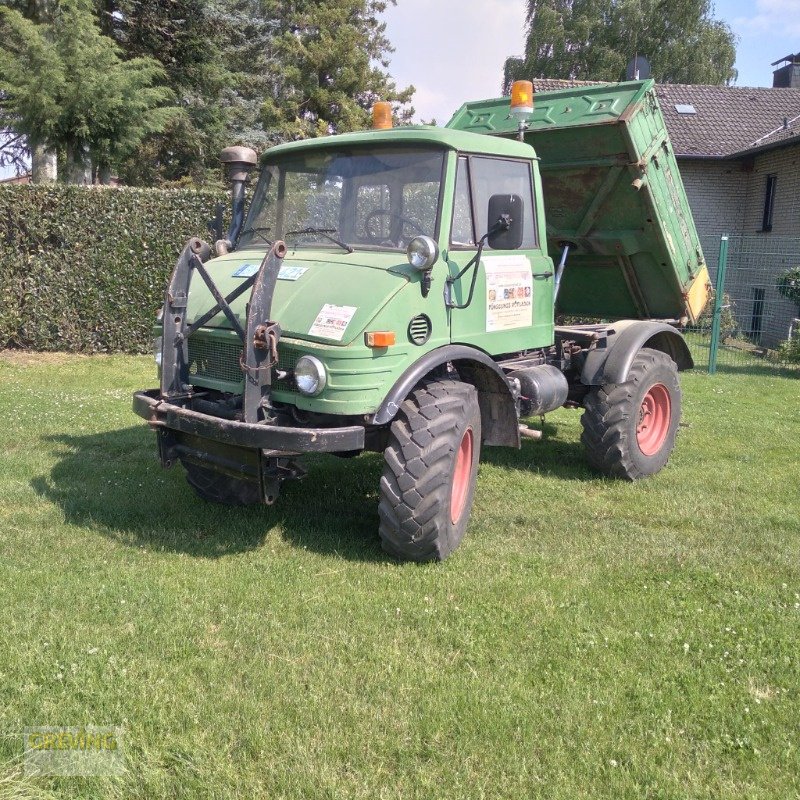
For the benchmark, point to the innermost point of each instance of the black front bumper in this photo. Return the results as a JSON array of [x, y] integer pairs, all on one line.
[[167, 417]]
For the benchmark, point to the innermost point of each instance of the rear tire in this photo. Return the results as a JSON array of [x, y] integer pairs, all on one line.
[[218, 488], [629, 428], [430, 469]]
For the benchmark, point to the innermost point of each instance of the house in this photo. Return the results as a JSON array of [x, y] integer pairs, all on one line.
[[738, 149], [15, 180]]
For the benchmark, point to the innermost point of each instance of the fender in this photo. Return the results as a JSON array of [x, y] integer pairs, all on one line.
[[499, 419], [612, 363]]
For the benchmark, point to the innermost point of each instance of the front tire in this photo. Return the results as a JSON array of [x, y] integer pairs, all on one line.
[[430, 469], [629, 428]]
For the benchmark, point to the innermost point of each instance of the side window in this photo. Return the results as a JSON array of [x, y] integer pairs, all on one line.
[[492, 176], [463, 233]]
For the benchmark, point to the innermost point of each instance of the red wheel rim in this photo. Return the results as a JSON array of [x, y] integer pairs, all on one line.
[[655, 414], [461, 475]]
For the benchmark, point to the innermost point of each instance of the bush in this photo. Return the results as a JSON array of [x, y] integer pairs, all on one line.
[[789, 351], [84, 269], [789, 285], [728, 326]]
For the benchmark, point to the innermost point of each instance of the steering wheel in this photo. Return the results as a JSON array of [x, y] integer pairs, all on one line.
[[372, 236]]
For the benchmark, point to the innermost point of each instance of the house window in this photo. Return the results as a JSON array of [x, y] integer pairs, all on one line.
[[757, 317], [769, 203]]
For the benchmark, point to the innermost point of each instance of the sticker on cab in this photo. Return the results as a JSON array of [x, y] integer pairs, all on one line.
[[246, 271], [509, 292], [286, 272], [332, 322]]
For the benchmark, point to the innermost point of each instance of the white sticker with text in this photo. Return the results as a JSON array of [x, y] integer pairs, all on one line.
[[509, 292], [332, 321]]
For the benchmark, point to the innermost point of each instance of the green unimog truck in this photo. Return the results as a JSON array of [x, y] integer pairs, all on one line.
[[395, 290]]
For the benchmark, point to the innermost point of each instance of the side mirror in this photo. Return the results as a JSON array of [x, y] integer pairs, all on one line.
[[506, 213]]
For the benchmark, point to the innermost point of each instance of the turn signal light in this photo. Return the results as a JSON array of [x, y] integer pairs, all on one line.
[[379, 338], [382, 115], [521, 97]]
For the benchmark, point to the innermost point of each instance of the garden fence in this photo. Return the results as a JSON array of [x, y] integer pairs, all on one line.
[[749, 325]]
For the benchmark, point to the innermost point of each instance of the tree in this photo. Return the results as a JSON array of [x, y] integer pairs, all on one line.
[[183, 36], [324, 65], [64, 84], [14, 147], [254, 72], [595, 39]]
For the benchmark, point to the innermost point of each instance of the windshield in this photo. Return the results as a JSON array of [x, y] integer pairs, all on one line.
[[358, 198]]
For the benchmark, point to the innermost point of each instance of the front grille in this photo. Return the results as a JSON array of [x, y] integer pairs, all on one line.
[[218, 359], [287, 358], [214, 358]]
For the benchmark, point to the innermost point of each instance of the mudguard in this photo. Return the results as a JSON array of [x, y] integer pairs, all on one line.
[[499, 419], [610, 364]]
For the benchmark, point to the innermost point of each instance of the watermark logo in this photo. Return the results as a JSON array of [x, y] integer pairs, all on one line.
[[73, 751]]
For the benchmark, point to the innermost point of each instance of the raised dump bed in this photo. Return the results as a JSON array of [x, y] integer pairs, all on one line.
[[613, 190]]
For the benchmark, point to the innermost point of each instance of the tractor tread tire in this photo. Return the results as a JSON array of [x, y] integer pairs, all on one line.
[[610, 418], [415, 488]]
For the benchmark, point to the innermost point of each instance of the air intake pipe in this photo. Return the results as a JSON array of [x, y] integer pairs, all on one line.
[[239, 163]]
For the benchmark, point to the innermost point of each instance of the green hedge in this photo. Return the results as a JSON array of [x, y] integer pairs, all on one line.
[[84, 269]]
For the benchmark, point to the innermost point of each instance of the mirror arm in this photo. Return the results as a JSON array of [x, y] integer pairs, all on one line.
[[473, 262], [502, 224]]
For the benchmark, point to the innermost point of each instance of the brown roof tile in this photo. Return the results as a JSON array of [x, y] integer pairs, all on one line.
[[729, 119]]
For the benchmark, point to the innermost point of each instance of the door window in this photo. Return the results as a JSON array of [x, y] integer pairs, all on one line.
[[463, 231], [492, 176]]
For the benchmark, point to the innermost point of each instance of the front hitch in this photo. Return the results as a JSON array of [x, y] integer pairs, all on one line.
[[259, 339], [261, 342]]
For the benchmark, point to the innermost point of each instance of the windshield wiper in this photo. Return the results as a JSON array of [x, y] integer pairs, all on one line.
[[326, 232], [259, 231]]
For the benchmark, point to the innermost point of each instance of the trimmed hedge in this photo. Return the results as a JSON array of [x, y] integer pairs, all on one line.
[[83, 269]]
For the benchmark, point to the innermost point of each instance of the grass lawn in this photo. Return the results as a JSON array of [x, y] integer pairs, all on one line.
[[589, 638]]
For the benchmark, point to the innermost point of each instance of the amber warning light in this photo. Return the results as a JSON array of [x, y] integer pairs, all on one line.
[[521, 98], [382, 115]]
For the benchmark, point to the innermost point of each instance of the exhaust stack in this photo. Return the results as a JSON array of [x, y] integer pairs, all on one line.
[[239, 163]]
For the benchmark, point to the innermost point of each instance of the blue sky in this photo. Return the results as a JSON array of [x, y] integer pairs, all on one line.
[[433, 51]]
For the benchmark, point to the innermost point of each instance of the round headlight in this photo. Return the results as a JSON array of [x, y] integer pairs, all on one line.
[[310, 375], [422, 252]]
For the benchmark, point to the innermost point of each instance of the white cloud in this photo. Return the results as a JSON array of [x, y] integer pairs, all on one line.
[[780, 17], [453, 50]]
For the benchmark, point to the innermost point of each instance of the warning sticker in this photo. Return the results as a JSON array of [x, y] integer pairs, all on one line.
[[509, 292], [332, 321]]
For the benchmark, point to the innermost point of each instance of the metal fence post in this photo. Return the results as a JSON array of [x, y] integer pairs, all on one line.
[[718, 295]]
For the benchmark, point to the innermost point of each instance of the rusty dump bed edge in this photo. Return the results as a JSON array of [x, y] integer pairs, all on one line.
[[612, 188]]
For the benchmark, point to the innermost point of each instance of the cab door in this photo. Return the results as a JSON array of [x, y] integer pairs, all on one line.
[[504, 302]]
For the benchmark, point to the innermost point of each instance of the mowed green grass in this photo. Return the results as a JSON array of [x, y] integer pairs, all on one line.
[[589, 639]]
